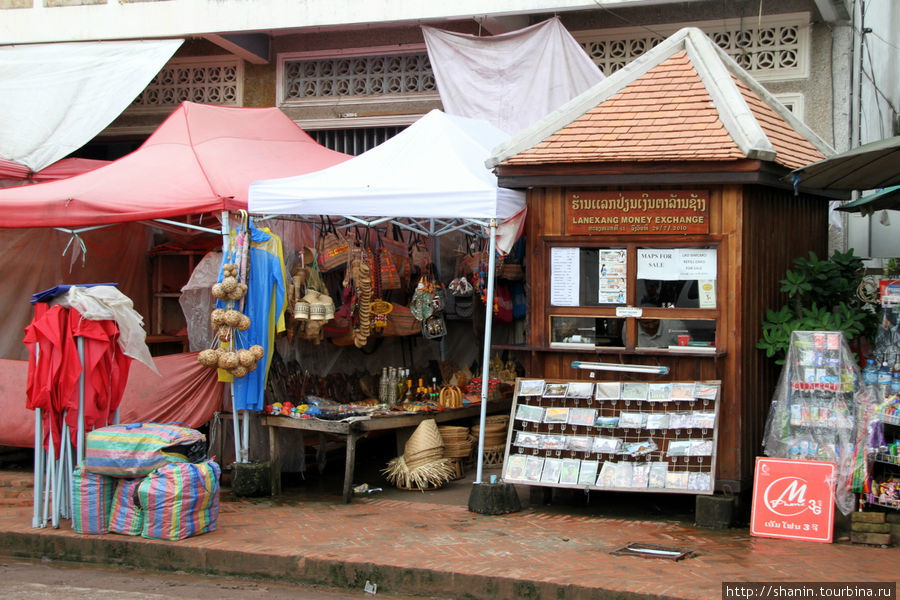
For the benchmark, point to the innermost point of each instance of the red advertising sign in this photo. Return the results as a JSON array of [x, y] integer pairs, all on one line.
[[648, 212], [793, 499]]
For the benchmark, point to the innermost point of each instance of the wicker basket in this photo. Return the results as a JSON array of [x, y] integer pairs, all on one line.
[[423, 457]]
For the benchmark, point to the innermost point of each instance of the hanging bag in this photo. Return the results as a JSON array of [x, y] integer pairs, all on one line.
[[390, 276], [332, 247]]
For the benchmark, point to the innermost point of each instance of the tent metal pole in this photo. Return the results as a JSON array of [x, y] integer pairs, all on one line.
[[235, 416], [486, 355], [52, 491], [245, 445], [38, 454], [62, 477], [48, 478], [38, 468], [80, 435]]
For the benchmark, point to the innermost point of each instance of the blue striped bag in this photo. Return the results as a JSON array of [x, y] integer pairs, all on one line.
[[139, 448], [91, 500], [124, 516], [179, 500]]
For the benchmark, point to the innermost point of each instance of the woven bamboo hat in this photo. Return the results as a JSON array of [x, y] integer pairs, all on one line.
[[424, 445]]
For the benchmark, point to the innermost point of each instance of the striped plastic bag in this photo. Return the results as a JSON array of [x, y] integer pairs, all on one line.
[[138, 449], [91, 500], [180, 500], [124, 516]]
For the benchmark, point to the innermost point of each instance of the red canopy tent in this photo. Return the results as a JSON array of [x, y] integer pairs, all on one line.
[[17, 174], [201, 159]]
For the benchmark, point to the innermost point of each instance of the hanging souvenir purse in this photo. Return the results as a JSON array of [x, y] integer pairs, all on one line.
[[332, 247], [434, 327], [422, 303], [390, 276]]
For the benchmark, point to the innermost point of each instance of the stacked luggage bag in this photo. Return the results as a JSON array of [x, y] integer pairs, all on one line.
[[147, 479]]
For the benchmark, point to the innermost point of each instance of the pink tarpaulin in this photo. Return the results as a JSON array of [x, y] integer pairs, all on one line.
[[17, 174], [201, 159], [187, 392]]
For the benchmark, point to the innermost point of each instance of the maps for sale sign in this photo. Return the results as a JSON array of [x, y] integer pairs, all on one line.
[[793, 499]]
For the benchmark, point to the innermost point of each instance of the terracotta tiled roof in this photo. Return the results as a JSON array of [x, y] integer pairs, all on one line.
[[670, 105], [794, 150], [666, 115]]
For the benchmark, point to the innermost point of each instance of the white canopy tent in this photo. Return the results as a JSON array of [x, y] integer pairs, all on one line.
[[432, 175]]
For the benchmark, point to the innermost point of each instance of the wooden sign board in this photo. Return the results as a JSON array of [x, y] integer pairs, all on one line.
[[793, 499], [651, 212]]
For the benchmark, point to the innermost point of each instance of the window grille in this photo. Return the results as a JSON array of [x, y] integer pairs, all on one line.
[[354, 141], [358, 76], [772, 48], [214, 80]]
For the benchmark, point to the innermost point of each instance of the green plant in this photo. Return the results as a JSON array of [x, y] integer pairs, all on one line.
[[821, 297]]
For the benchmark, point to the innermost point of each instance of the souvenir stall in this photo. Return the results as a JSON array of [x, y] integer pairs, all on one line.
[[657, 229], [199, 161], [429, 180]]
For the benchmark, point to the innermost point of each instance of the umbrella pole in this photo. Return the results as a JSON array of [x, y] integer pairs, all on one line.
[[235, 416], [245, 445], [80, 435], [486, 354], [38, 455], [58, 485], [52, 493], [38, 468]]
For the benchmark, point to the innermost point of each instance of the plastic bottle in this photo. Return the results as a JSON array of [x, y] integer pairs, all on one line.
[[895, 383], [870, 372], [884, 373]]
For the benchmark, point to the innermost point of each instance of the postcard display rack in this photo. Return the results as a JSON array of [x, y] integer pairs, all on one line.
[[614, 435]]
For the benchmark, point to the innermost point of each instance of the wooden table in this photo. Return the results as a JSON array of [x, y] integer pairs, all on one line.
[[352, 430]]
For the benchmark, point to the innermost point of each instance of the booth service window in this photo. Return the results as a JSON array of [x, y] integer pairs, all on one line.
[[670, 293]]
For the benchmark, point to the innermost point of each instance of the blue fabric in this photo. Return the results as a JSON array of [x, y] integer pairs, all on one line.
[[263, 304], [59, 290]]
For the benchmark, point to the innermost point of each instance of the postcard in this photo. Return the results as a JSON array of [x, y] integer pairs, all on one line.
[[657, 421], [659, 392], [525, 439], [679, 448], [580, 389], [554, 442], [640, 475], [633, 420], [703, 420], [608, 390], [531, 387], [680, 420], [638, 448], [624, 474], [683, 390], [556, 414], [579, 443], [555, 390], [635, 390], [707, 391], [588, 473], [582, 416], [606, 445], [699, 481], [532, 414], [515, 467], [657, 478], [569, 471], [607, 421], [552, 468], [533, 467], [677, 480], [607, 476], [701, 448]]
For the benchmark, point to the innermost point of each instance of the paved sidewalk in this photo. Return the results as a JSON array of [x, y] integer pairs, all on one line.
[[423, 546]]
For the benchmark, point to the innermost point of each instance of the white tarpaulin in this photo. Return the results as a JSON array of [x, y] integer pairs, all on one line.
[[432, 169], [54, 98], [510, 80]]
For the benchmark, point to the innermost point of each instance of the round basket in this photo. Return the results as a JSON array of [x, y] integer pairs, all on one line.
[[452, 433], [496, 419], [457, 450], [493, 456], [425, 437]]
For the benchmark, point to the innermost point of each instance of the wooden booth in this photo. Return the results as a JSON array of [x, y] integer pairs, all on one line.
[[658, 229]]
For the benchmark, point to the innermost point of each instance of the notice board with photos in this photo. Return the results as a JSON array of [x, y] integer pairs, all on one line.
[[635, 436]]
